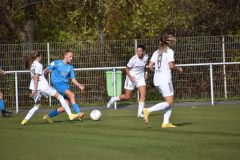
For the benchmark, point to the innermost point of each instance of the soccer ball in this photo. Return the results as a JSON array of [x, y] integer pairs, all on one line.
[[95, 115]]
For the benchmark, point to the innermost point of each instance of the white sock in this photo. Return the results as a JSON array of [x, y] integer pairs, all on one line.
[[140, 107], [64, 104], [167, 115], [32, 111], [158, 107], [114, 99]]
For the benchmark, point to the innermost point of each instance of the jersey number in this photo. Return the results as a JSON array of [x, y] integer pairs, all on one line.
[[33, 71], [159, 60]]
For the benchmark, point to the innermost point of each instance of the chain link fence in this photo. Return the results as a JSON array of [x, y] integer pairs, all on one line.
[[191, 85]]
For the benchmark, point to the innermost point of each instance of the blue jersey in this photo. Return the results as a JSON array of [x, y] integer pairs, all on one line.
[[61, 72]]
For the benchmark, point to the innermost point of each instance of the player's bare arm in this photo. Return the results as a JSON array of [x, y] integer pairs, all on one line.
[[132, 78], [174, 67], [150, 66], [80, 86]]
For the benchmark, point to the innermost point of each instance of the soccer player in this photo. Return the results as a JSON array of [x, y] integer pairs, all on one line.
[[163, 59], [2, 107], [40, 87], [2, 104], [135, 78], [61, 71]]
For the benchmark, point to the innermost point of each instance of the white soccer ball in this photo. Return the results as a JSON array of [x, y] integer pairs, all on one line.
[[95, 115]]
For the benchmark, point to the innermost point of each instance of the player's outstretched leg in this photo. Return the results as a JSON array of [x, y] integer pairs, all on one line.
[[30, 114], [111, 101]]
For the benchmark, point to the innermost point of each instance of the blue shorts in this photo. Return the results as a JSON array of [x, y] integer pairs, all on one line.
[[61, 88]]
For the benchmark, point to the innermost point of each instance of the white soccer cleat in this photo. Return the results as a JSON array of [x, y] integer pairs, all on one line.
[[140, 115]]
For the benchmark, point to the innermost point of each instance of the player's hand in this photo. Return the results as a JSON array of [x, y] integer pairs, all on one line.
[[146, 76], [33, 93], [81, 87], [180, 69], [132, 78], [2, 72], [46, 71]]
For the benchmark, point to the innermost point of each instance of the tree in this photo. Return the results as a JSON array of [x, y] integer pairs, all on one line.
[[18, 19], [70, 20]]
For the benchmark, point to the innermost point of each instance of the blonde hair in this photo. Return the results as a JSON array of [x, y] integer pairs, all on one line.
[[166, 40]]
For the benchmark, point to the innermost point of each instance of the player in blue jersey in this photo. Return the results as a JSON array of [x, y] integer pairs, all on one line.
[[39, 87], [2, 104], [61, 71]]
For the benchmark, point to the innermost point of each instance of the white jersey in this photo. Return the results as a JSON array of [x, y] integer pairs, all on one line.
[[37, 68], [162, 74], [137, 66]]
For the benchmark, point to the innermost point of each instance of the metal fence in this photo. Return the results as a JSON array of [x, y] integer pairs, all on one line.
[[192, 85]]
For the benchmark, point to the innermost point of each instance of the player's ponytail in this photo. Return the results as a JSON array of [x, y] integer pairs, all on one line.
[[167, 40], [30, 58]]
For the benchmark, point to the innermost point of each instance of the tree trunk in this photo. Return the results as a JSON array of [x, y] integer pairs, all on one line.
[[100, 23], [24, 34], [30, 14]]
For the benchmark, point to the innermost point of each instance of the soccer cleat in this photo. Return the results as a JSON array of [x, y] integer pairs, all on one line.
[[7, 114], [140, 115], [47, 119], [168, 125], [146, 115], [81, 115], [73, 116], [24, 122]]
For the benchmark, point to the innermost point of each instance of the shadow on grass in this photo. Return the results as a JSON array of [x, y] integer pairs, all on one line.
[[73, 121], [61, 121], [183, 124]]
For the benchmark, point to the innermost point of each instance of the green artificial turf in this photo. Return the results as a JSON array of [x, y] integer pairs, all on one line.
[[203, 133]]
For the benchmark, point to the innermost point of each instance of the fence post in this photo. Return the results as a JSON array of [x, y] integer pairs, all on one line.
[[224, 67], [16, 91], [135, 45], [211, 83], [114, 86], [49, 75], [135, 51]]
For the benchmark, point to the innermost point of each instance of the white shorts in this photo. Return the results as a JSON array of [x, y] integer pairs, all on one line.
[[45, 92], [132, 85], [166, 89]]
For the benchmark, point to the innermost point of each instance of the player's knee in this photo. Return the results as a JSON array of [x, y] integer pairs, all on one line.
[[72, 95], [59, 96], [142, 97], [37, 106], [170, 103], [127, 97]]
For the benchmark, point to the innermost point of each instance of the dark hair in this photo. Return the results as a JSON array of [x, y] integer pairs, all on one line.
[[30, 58], [141, 46], [65, 52], [166, 40]]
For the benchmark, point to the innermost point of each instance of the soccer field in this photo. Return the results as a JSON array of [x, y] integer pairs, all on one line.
[[209, 133]]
